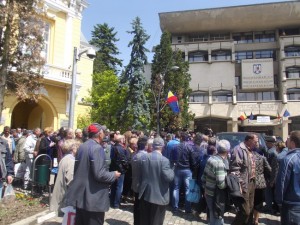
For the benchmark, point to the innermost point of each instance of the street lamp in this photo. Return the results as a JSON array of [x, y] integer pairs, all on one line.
[[90, 52], [158, 109]]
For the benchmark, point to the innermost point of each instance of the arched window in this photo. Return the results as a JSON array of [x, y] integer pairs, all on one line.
[[292, 72], [291, 51], [198, 56], [222, 96], [221, 55]]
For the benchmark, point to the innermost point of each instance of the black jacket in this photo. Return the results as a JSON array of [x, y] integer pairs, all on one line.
[[120, 159]]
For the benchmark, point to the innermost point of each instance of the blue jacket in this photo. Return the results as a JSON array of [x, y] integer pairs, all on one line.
[[288, 179]]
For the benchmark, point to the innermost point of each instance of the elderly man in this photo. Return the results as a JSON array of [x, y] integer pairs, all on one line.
[[156, 174], [213, 181], [89, 190], [136, 162], [288, 182], [242, 164]]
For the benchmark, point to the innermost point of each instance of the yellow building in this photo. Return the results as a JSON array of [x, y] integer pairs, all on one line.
[[63, 33]]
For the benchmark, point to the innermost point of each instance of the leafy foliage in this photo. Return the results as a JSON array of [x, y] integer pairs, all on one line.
[[104, 38], [136, 108], [106, 98], [21, 44], [165, 78], [83, 121]]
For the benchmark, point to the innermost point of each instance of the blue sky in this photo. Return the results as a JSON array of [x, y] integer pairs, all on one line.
[[120, 13]]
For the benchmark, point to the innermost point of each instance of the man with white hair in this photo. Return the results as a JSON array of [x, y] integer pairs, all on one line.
[[155, 176], [213, 181]]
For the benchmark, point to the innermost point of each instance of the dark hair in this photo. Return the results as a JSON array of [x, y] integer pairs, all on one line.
[[142, 142], [211, 150], [177, 134], [250, 136], [184, 136], [212, 141], [112, 136], [198, 139], [295, 137]]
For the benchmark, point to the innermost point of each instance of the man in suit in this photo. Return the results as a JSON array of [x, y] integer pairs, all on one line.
[[156, 175], [89, 189]]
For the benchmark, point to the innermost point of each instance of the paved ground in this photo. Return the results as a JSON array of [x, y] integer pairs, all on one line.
[[124, 216]]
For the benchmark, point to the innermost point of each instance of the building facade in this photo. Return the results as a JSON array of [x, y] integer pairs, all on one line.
[[63, 33], [243, 60]]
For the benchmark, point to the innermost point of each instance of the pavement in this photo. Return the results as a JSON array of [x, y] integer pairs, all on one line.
[[124, 216]]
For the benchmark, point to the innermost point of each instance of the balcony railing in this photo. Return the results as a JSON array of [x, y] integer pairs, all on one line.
[[59, 74]]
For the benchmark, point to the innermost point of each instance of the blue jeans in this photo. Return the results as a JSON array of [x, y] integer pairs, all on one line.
[[116, 192], [212, 219], [182, 177], [290, 214]]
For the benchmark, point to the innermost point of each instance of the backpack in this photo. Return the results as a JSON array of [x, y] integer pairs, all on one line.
[[233, 186]]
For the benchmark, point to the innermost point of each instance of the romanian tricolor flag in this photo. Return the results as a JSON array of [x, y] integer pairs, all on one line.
[[243, 116], [172, 101]]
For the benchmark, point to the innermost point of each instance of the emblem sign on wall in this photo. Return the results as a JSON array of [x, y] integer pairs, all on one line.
[[257, 73]]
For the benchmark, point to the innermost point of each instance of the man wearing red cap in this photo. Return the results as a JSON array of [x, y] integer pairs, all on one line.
[[89, 190]]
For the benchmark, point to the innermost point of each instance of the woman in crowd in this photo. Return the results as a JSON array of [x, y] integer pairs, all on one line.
[[65, 174], [262, 169], [47, 146]]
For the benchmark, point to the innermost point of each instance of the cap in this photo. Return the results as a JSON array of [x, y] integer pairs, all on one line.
[[158, 142], [95, 128]]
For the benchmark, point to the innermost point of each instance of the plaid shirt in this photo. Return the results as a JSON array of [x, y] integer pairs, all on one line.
[[214, 174]]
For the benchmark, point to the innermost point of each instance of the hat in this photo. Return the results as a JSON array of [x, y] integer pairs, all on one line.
[[270, 139], [95, 128], [158, 142]]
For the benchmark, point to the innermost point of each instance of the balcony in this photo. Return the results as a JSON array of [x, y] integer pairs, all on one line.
[[58, 74]]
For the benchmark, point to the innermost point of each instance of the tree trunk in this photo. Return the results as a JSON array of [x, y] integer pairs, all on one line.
[[5, 57]]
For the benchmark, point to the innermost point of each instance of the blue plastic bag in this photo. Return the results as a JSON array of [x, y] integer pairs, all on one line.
[[194, 192]]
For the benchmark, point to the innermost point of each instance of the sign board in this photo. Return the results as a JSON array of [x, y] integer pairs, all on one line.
[[257, 73], [263, 119]]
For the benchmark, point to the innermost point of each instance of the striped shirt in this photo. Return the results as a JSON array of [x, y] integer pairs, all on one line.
[[214, 175]]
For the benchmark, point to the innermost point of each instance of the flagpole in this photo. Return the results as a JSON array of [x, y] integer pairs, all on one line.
[[161, 86]]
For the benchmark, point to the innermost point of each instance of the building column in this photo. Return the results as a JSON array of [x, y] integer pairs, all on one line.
[[234, 126], [285, 128]]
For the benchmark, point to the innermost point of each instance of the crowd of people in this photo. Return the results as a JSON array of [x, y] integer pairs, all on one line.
[[99, 169]]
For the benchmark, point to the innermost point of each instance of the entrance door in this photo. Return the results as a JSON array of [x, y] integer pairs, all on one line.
[[30, 115]]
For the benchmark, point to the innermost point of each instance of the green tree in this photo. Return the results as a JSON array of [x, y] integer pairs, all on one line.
[[136, 109], [21, 44], [104, 38], [165, 78], [106, 99]]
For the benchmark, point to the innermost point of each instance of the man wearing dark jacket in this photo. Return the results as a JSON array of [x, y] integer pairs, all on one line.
[[184, 163], [89, 190], [287, 192], [242, 164], [120, 161], [6, 164]]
